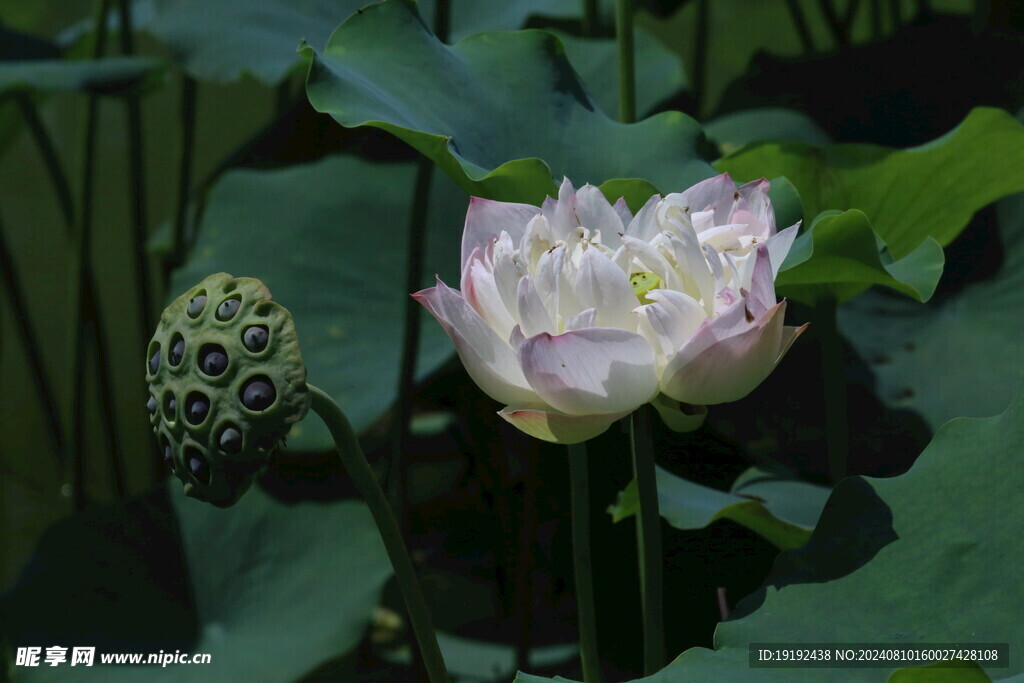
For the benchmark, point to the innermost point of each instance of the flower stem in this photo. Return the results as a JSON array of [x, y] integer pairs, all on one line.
[[648, 533], [362, 475], [627, 73], [580, 485], [837, 431]]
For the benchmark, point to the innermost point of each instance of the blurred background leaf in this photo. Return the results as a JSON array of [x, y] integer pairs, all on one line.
[[271, 590]]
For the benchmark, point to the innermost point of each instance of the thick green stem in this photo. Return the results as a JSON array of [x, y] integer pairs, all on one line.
[[627, 72], [582, 562], [648, 536], [362, 476], [837, 431]]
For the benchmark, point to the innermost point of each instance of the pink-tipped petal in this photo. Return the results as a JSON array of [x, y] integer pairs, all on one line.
[[486, 219], [481, 292], [489, 360], [679, 417], [754, 200], [551, 425], [728, 369], [597, 370], [789, 335], [717, 194]]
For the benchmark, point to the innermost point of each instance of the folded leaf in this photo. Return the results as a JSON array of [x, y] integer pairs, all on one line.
[[840, 255]]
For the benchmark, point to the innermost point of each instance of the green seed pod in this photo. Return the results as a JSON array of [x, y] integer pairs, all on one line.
[[226, 383]]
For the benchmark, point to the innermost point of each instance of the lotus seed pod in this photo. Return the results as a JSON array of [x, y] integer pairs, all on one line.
[[232, 385]]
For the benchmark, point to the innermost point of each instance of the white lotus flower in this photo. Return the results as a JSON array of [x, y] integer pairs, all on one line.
[[577, 313]]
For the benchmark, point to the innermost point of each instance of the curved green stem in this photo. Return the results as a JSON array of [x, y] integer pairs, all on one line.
[[580, 485], [648, 536], [362, 475], [837, 429], [627, 73]]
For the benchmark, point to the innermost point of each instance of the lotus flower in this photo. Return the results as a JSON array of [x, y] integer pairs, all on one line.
[[576, 313]]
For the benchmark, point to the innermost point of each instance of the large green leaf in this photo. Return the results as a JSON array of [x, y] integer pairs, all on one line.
[[329, 240], [501, 113], [959, 355], [278, 588], [931, 556], [931, 190], [840, 255], [782, 510]]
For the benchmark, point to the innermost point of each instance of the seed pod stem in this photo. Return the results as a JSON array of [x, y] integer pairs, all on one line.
[[362, 475]]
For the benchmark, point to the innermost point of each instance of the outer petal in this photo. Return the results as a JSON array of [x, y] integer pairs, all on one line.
[[597, 370], [490, 361], [728, 369], [779, 245], [551, 425], [623, 212], [561, 213], [486, 219], [755, 202]]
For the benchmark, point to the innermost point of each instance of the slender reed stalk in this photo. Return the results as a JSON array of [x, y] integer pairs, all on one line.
[[362, 475], [51, 161], [627, 71], [416, 243], [700, 59], [137, 180], [648, 532], [591, 18], [796, 14], [23, 323], [188, 141], [582, 562]]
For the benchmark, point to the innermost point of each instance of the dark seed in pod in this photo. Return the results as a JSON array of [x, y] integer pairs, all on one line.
[[172, 405], [151, 405], [231, 440], [177, 352], [227, 309], [168, 453], [198, 466], [213, 360], [196, 306], [258, 394], [266, 443], [154, 362], [197, 407], [255, 338]]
